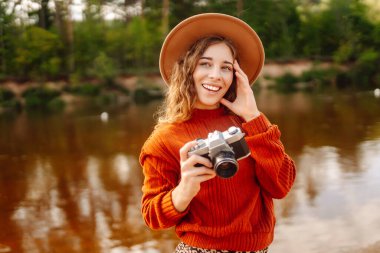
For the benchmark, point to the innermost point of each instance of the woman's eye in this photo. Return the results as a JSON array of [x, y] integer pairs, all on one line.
[[227, 68], [205, 64]]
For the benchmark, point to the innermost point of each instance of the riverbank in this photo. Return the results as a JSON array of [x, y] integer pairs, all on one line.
[[270, 71], [284, 77]]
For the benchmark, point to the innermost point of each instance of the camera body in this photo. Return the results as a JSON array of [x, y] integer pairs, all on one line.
[[223, 149]]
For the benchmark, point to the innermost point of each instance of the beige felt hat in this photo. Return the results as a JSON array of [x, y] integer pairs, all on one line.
[[182, 36]]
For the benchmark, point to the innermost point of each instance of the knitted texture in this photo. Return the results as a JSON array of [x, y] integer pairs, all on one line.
[[229, 214]]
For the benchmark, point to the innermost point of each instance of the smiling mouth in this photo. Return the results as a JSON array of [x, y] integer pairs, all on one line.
[[211, 87]]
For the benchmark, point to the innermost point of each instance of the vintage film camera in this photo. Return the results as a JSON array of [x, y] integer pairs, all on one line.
[[223, 149]]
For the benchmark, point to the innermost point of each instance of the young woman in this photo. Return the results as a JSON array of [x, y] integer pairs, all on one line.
[[208, 62]]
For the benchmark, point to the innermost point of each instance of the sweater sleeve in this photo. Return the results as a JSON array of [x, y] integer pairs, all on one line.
[[275, 170], [160, 178]]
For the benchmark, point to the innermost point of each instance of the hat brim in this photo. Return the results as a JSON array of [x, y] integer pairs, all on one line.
[[181, 37]]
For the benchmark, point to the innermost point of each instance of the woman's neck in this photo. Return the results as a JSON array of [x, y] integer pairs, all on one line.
[[199, 113]]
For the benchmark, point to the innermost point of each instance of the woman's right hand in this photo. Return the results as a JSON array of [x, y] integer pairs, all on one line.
[[191, 177]]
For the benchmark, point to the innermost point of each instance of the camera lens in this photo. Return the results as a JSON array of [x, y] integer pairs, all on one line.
[[225, 164]]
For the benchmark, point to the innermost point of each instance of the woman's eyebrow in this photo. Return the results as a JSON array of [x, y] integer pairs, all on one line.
[[210, 59], [205, 58]]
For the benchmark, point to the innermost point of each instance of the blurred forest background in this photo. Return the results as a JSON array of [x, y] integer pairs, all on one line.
[[77, 80], [81, 40]]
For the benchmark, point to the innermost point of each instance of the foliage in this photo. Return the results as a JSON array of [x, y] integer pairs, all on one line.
[[6, 95], [143, 95], [36, 48], [84, 89], [366, 69], [319, 76], [8, 99], [286, 83], [116, 45], [104, 69], [106, 99], [89, 42], [56, 104], [146, 91], [313, 79], [42, 98], [141, 42], [38, 53], [8, 34], [277, 23]]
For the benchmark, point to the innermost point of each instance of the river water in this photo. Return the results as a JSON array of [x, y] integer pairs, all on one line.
[[70, 182]]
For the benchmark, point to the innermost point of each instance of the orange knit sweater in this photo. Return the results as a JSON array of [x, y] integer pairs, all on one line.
[[227, 214]]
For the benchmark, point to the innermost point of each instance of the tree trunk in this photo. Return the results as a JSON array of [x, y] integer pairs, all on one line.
[[44, 15], [65, 27], [2, 49], [165, 17]]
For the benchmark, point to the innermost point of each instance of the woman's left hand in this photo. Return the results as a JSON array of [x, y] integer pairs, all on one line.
[[245, 104]]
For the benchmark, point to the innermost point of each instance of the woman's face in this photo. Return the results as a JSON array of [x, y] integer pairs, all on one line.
[[213, 76]]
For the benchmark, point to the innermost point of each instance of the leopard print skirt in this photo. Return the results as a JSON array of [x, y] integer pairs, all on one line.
[[184, 248]]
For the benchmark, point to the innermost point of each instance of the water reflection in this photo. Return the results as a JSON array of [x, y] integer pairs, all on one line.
[[336, 208], [72, 183]]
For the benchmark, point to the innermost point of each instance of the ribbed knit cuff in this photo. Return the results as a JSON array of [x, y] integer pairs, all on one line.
[[257, 125], [169, 210]]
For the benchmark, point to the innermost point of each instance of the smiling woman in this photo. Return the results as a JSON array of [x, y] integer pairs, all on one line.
[[213, 76], [208, 92]]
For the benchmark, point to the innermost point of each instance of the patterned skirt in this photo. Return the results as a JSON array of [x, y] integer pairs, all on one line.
[[184, 248]]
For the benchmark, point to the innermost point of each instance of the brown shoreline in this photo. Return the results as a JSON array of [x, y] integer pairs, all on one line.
[[272, 69]]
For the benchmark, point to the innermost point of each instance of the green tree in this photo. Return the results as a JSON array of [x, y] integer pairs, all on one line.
[[341, 30], [65, 28], [116, 44], [38, 54], [104, 69], [43, 14], [89, 40], [8, 37], [141, 44], [277, 23]]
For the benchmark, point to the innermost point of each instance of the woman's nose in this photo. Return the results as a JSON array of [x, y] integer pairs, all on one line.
[[215, 73]]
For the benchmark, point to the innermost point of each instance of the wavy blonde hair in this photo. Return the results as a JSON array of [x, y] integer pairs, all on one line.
[[181, 95]]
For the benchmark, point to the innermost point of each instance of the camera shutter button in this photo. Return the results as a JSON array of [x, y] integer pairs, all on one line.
[[232, 130]]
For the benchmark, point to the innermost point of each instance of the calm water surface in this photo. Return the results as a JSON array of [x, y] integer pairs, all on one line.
[[72, 183]]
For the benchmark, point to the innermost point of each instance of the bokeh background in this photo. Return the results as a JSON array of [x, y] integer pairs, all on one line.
[[79, 86]]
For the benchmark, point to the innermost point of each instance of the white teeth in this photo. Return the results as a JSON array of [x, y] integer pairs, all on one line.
[[210, 87]]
